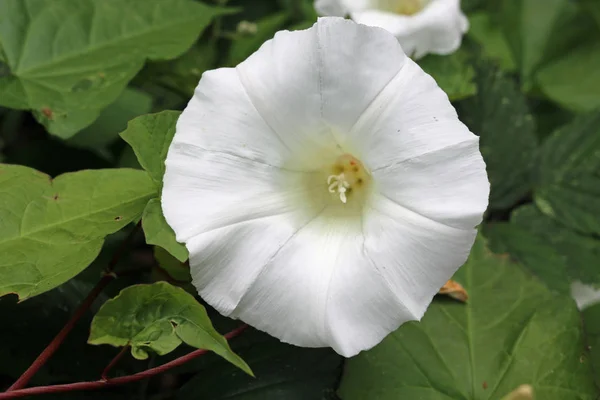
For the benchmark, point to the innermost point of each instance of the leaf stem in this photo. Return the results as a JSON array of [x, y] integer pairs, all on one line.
[[45, 355], [69, 387], [113, 362]]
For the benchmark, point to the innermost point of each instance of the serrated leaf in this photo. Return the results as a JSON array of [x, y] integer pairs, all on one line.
[[113, 120], [484, 30], [539, 31], [500, 116], [282, 372], [244, 46], [573, 81], [150, 137], [158, 317], [453, 73], [68, 59], [512, 331], [568, 186], [581, 253], [159, 233], [53, 228]]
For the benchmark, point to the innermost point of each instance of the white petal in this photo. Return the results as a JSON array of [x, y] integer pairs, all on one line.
[[437, 29], [340, 8], [585, 295], [307, 84]]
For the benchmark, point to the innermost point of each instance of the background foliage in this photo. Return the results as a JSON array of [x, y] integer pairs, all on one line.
[[89, 95]]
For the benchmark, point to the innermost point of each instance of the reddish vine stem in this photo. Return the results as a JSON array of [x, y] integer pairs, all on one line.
[[113, 362], [45, 355], [69, 387]]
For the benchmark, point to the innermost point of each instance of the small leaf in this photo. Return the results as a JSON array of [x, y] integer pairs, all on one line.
[[53, 228], [158, 317], [177, 270], [455, 290], [568, 187], [243, 47], [68, 59], [500, 116], [150, 137], [453, 73], [158, 232], [513, 331]]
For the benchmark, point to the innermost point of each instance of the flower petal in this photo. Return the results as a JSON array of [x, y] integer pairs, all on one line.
[[437, 29], [338, 68]]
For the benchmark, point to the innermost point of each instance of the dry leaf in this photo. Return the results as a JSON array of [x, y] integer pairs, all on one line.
[[455, 290]]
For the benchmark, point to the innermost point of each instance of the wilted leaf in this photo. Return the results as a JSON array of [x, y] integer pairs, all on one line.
[[54, 228], [158, 232], [150, 137], [513, 331], [454, 290], [500, 116], [158, 317], [568, 187], [68, 59], [453, 73]]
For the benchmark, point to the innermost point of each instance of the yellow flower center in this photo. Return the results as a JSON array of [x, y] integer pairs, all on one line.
[[403, 7], [349, 179]]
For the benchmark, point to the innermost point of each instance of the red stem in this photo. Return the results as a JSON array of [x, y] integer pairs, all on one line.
[[80, 312], [113, 362], [69, 387]]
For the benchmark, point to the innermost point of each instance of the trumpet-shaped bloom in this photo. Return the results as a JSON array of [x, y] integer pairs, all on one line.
[[325, 188], [421, 26]]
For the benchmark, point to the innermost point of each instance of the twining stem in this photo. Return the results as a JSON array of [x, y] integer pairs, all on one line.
[[69, 387], [45, 355]]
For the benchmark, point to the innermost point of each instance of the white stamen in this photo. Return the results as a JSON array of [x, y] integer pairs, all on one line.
[[338, 184]]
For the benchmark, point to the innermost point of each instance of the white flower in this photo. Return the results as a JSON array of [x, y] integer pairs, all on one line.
[[421, 26], [584, 295], [325, 187]]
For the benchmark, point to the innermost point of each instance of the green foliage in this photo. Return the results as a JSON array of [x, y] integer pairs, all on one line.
[[158, 232], [282, 372], [500, 116], [66, 69], [568, 187], [512, 331], [453, 73], [591, 326], [485, 31], [54, 228], [158, 317]]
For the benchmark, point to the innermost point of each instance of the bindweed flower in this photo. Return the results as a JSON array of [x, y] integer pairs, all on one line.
[[421, 26], [324, 187]]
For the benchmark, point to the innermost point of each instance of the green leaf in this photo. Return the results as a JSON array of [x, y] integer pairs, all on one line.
[[178, 270], [244, 46], [453, 73], [568, 187], [183, 73], [159, 233], [591, 327], [158, 317], [282, 372], [573, 81], [539, 31], [581, 253], [150, 137], [500, 116], [68, 59], [535, 254], [53, 228], [488, 34], [512, 331], [113, 120]]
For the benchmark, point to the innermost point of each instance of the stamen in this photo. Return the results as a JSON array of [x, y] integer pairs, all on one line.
[[337, 183]]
